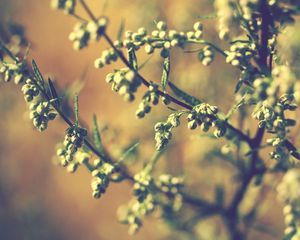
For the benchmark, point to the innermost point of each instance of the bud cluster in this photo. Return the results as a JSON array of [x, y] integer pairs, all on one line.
[[14, 37], [240, 54], [14, 71], [68, 6], [30, 90], [73, 141], [141, 186], [135, 212], [262, 88], [291, 214], [205, 116], [80, 157], [125, 82], [206, 55], [101, 177], [84, 32], [163, 130], [169, 184], [273, 119], [268, 89], [283, 77], [225, 16], [107, 57], [41, 113], [160, 39], [151, 97], [248, 7], [288, 193]]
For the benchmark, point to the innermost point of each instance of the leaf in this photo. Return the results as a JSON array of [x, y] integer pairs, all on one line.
[[76, 110], [38, 75], [235, 107], [132, 59], [239, 85], [165, 73], [97, 135], [209, 16], [121, 30], [128, 151], [183, 95], [27, 51], [4, 49], [152, 162], [76, 86], [53, 93], [144, 63], [104, 6]]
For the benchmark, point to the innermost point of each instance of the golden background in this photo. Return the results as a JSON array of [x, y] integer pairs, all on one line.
[[39, 200]]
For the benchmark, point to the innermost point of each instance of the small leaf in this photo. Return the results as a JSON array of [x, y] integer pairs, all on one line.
[[76, 86], [183, 95], [121, 30], [132, 58], [165, 73], [128, 151], [144, 63], [76, 110], [212, 15], [97, 135], [38, 74], [104, 6], [235, 107], [239, 85], [5, 50], [27, 51], [53, 93]]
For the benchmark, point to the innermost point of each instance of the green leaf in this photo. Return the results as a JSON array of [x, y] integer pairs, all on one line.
[[38, 75], [235, 107], [165, 73], [212, 15], [128, 151], [97, 135], [4, 49], [238, 85], [132, 58], [154, 159], [183, 95], [54, 95], [76, 86], [121, 30], [76, 110], [27, 51], [104, 6], [145, 62]]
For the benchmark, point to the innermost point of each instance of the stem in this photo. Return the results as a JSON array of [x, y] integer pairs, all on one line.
[[240, 134], [232, 216], [219, 50], [88, 11], [193, 201]]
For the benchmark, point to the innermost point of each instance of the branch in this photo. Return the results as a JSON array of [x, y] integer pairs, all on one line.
[[292, 149]]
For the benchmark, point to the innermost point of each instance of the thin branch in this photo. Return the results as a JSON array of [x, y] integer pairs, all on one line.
[[88, 11]]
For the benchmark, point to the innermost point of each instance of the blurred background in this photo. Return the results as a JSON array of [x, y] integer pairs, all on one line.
[[39, 200]]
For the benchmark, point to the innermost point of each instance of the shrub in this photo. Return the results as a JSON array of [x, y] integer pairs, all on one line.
[[266, 95]]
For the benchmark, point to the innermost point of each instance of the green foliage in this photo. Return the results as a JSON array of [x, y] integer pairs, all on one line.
[[165, 73]]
